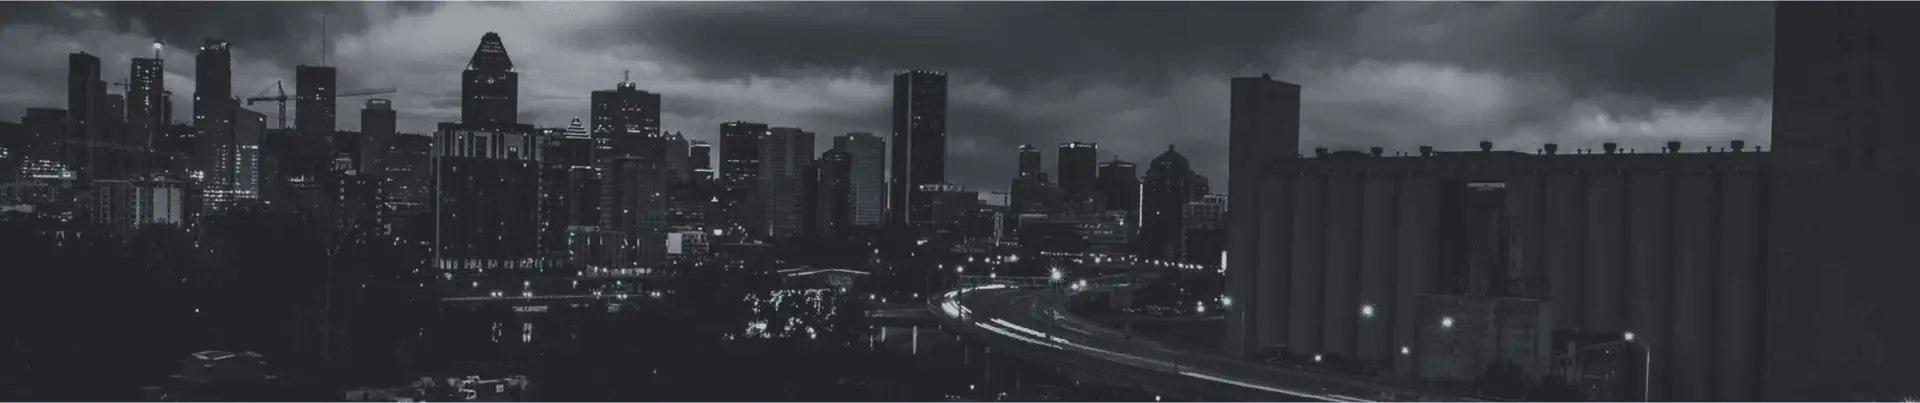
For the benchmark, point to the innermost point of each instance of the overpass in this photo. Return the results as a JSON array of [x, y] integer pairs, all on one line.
[[1029, 322]]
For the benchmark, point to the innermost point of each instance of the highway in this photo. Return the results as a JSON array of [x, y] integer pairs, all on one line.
[[1034, 315]]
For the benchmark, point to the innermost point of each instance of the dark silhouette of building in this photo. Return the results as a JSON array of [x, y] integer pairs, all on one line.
[[625, 121], [634, 205], [314, 100], [951, 207], [1076, 172], [489, 87], [1841, 222], [830, 196], [494, 197], [739, 172], [785, 153], [919, 144], [1030, 194], [869, 170], [701, 158], [146, 101], [87, 114], [213, 117], [378, 124], [1169, 185], [1119, 189], [1204, 230]]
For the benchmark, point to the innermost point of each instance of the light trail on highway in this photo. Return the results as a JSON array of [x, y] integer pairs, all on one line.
[[951, 304]]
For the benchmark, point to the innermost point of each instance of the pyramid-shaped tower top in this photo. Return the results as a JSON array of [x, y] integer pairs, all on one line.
[[491, 56]]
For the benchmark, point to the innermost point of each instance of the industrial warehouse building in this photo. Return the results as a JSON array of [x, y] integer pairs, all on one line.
[[1743, 274]]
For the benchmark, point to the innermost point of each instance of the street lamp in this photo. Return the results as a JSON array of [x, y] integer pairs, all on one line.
[[1447, 322], [1646, 373], [1366, 311]]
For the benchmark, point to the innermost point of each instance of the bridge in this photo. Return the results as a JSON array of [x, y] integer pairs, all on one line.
[[1030, 322]]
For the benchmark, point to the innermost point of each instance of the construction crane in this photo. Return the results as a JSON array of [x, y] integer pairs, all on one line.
[[280, 95]]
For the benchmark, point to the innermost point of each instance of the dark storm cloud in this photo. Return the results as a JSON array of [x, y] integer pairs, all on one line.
[[1012, 43], [1133, 76]]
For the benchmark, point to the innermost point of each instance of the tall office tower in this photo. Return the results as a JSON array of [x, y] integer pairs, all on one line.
[[1029, 161], [739, 171], [1265, 122], [830, 196], [147, 101], [674, 155], [919, 144], [166, 108], [1077, 176], [700, 157], [213, 113], [378, 124], [1170, 184], [115, 130], [633, 204], [626, 121], [495, 198], [869, 170], [86, 113], [489, 88], [249, 128], [314, 100], [784, 155], [42, 151], [1119, 188], [572, 145]]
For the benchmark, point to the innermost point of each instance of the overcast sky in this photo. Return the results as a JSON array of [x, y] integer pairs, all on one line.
[[1134, 76]]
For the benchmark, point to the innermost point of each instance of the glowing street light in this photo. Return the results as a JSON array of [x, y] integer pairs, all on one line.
[[1646, 381], [1447, 322], [1226, 301], [1318, 358], [1056, 274], [1404, 350], [1366, 311]]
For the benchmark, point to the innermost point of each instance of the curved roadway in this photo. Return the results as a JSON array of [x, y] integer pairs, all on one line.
[[1034, 316]]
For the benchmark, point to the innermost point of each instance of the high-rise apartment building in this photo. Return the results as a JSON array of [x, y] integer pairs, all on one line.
[[489, 87], [497, 201], [249, 128], [869, 176], [919, 144]]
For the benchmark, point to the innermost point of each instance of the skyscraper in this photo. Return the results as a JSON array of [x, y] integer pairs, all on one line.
[[492, 197], [1076, 174], [1119, 188], [1029, 161], [700, 157], [785, 153], [673, 150], [146, 101], [626, 121], [829, 196], [868, 170], [489, 88], [378, 126], [919, 143], [739, 169], [86, 113], [213, 113], [314, 100]]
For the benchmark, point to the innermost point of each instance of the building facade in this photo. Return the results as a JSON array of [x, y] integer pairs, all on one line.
[[869, 176], [919, 144], [489, 87]]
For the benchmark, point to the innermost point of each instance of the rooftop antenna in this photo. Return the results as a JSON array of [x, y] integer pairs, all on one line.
[[626, 76], [323, 38]]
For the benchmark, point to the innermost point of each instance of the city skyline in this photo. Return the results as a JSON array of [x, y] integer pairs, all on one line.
[[1393, 75]]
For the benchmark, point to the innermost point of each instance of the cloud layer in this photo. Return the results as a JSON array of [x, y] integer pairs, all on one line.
[[1133, 76]]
